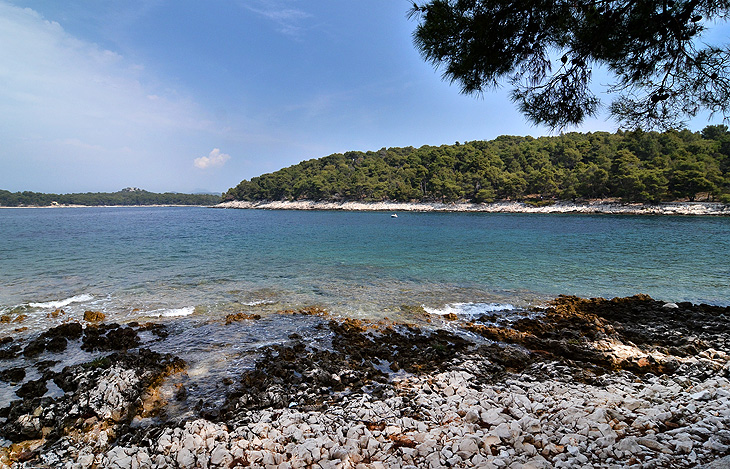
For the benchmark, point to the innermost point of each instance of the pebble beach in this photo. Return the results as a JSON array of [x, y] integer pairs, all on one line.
[[605, 207]]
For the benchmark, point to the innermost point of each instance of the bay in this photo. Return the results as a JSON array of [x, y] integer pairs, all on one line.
[[190, 267], [165, 259]]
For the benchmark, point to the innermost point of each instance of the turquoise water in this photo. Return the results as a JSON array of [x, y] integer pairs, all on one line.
[[190, 267], [148, 262]]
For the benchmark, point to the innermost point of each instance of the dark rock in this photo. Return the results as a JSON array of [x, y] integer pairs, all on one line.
[[310, 378], [70, 331], [569, 327], [13, 375], [109, 337], [32, 389], [35, 347], [44, 365], [157, 329], [10, 352], [56, 344]]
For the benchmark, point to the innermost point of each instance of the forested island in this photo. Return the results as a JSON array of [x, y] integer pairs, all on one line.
[[128, 196], [633, 166]]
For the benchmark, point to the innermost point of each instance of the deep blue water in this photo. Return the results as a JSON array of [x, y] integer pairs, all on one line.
[[131, 262]]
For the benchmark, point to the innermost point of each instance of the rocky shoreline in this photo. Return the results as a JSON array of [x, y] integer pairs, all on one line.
[[628, 382], [603, 207]]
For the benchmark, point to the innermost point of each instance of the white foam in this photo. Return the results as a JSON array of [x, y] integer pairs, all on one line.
[[472, 310], [171, 313], [61, 303], [259, 303]]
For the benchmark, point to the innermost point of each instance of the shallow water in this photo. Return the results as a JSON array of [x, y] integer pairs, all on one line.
[[189, 267]]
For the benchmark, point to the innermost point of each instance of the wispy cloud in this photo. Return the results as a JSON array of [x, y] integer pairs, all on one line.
[[214, 158], [287, 18]]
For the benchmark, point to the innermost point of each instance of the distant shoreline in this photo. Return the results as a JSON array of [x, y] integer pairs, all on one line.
[[101, 206], [594, 207]]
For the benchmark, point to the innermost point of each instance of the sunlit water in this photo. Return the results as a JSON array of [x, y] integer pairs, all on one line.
[[190, 267]]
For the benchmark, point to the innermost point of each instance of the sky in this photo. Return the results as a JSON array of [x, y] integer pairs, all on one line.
[[195, 96]]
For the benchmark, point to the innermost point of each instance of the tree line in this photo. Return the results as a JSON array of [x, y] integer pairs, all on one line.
[[124, 197], [634, 166]]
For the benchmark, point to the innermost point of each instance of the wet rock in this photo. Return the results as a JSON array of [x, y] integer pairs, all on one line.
[[157, 329], [53, 340], [56, 344], [69, 331], [94, 316], [635, 333], [13, 375], [35, 347], [107, 337], [32, 389], [12, 351]]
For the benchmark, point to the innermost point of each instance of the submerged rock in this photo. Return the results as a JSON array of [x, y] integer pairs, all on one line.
[[231, 318]]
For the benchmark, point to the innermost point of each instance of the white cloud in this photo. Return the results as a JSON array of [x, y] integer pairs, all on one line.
[[214, 158]]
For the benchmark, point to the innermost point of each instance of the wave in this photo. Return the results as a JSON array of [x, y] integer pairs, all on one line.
[[171, 313], [61, 303], [471, 310], [259, 303]]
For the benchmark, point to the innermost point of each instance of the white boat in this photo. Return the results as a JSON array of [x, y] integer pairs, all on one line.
[[394, 216]]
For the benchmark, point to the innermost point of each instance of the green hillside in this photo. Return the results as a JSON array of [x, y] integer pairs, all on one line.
[[634, 166]]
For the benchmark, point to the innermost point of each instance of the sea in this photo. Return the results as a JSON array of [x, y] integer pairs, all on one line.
[[190, 267]]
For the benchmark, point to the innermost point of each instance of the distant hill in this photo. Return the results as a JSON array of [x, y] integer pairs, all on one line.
[[127, 196], [634, 166]]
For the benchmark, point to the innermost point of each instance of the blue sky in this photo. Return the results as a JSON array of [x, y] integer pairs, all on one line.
[[183, 95]]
